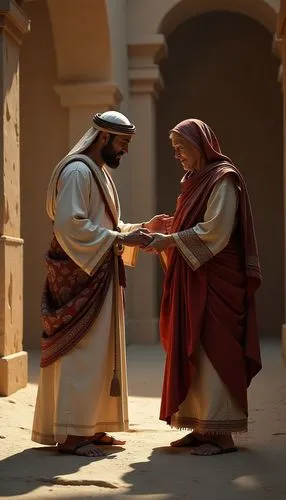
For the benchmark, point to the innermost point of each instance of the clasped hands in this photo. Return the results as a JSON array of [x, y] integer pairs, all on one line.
[[153, 237]]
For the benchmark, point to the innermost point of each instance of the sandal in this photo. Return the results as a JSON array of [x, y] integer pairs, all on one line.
[[75, 450], [217, 449]]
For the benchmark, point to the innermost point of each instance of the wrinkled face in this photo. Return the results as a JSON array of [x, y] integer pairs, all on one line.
[[185, 152], [115, 147]]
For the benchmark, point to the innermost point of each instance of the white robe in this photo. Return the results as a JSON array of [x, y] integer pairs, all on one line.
[[73, 395]]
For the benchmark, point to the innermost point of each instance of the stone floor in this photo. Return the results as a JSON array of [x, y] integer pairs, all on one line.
[[147, 468]]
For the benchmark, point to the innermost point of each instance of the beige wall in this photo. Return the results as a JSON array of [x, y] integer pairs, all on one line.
[[44, 138], [82, 39], [220, 69]]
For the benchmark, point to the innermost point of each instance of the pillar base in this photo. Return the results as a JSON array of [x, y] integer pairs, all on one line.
[[141, 331], [13, 373]]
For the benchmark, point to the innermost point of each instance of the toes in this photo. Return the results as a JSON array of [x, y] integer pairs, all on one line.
[[176, 443], [116, 441], [187, 441], [98, 453], [90, 451], [109, 440], [193, 451]]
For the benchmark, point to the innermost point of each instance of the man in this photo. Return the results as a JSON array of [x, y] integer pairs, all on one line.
[[207, 322], [83, 389]]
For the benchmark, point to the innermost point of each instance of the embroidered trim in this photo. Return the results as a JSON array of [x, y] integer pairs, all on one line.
[[193, 248], [189, 257], [210, 426], [75, 426], [49, 439]]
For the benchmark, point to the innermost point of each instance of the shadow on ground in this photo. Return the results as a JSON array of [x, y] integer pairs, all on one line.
[[34, 467], [255, 474]]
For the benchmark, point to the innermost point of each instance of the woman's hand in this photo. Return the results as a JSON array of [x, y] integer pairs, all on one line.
[[159, 243]]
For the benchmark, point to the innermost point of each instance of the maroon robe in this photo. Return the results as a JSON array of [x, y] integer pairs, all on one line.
[[213, 306]]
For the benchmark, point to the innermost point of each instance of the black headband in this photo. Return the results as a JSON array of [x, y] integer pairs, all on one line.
[[113, 128]]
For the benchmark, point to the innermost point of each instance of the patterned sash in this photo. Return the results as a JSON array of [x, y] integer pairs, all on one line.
[[72, 299]]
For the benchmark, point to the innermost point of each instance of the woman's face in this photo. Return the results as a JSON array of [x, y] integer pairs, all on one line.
[[185, 152]]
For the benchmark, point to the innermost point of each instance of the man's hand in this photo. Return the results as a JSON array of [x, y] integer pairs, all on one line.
[[138, 238], [160, 242], [159, 224]]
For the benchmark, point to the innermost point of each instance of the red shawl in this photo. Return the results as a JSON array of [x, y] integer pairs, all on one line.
[[213, 306]]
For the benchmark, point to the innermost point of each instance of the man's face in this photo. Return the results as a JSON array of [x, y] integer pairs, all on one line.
[[115, 148]]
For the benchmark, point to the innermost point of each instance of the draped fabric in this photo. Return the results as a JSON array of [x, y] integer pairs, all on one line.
[[213, 306], [71, 301]]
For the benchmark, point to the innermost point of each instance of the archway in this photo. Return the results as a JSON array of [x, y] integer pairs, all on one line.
[[262, 11], [230, 81]]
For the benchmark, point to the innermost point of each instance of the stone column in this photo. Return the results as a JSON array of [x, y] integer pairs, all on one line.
[[145, 83], [83, 100], [281, 49], [13, 360]]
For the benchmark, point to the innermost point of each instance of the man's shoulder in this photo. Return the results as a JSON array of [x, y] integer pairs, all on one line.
[[77, 168]]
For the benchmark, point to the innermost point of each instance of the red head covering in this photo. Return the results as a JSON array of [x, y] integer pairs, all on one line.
[[203, 138]]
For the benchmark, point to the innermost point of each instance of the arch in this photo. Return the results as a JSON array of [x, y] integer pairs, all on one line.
[[243, 104], [81, 40], [263, 11]]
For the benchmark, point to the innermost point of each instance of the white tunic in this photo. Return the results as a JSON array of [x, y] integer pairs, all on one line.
[[73, 395]]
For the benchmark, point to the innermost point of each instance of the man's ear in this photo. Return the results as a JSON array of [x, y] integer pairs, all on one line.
[[104, 138]]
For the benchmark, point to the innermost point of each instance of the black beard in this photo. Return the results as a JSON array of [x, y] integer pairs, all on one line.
[[109, 157], [113, 164]]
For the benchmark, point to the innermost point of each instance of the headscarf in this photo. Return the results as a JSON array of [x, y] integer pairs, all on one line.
[[203, 139], [112, 122]]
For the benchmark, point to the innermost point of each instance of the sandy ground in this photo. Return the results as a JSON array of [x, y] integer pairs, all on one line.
[[146, 467]]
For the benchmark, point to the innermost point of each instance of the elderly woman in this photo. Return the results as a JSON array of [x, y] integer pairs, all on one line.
[[207, 323]]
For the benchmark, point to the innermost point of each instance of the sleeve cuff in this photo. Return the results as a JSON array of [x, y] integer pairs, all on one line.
[[188, 255]]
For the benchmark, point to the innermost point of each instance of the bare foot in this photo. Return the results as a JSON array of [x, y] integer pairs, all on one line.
[[189, 440], [101, 438], [83, 448], [215, 446]]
